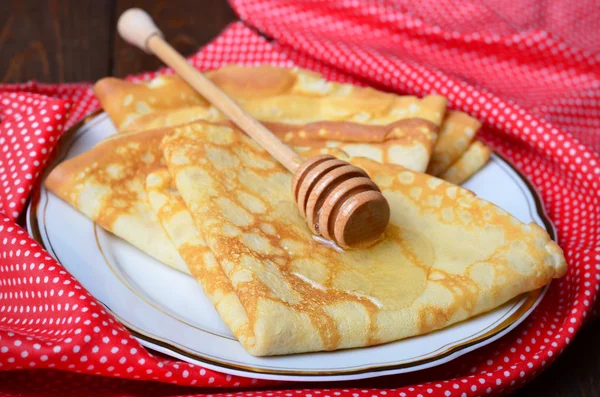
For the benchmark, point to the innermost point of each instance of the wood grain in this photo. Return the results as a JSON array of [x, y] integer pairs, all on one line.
[[54, 41], [74, 40], [186, 25], [340, 202]]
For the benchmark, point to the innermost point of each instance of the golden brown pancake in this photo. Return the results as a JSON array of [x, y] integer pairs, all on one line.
[[107, 184], [445, 257], [175, 218], [297, 96], [269, 93], [456, 134], [289, 96], [471, 161]]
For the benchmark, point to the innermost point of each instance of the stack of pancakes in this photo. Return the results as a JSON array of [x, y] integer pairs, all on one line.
[[187, 187]]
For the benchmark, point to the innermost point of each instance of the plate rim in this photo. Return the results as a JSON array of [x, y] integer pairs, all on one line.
[[501, 329]]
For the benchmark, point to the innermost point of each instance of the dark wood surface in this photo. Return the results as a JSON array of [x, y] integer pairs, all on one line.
[[75, 40]]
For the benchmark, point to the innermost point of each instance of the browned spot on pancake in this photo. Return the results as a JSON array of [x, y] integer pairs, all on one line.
[[407, 129], [126, 188]]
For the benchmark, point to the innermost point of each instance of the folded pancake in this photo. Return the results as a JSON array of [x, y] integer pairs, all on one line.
[[269, 93], [456, 134], [177, 221], [382, 143], [407, 142], [471, 161], [290, 96], [297, 96], [107, 184], [446, 255]]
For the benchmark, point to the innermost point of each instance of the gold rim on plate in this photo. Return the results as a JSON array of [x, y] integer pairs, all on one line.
[[69, 139]]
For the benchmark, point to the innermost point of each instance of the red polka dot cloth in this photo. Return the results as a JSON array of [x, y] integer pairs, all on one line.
[[533, 80], [31, 125]]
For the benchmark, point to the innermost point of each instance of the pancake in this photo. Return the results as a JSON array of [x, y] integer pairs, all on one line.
[[269, 93], [297, 96], [408, 143], [471, 161], [386, 144], [107, 184], [118, 203], [289, 96], [446, 255], [177, 221], [456, 134]]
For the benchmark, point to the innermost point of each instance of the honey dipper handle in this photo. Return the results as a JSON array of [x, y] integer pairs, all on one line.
[[137, 27]]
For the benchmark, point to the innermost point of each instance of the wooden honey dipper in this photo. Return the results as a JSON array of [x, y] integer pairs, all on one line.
[[338, 200]]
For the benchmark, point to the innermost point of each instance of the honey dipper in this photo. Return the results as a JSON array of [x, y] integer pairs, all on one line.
[[338, 200]]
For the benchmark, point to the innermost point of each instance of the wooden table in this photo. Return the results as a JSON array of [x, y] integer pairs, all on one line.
[[75, 40]]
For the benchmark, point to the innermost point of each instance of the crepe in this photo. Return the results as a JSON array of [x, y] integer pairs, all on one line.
[[177, 221], [446, 255], [455, 136], [269, 93], [297, 96], [107, 184], [289, 96], [471, 161]]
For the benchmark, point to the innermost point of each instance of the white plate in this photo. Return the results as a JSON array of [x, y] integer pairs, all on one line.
[[167, 310]]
